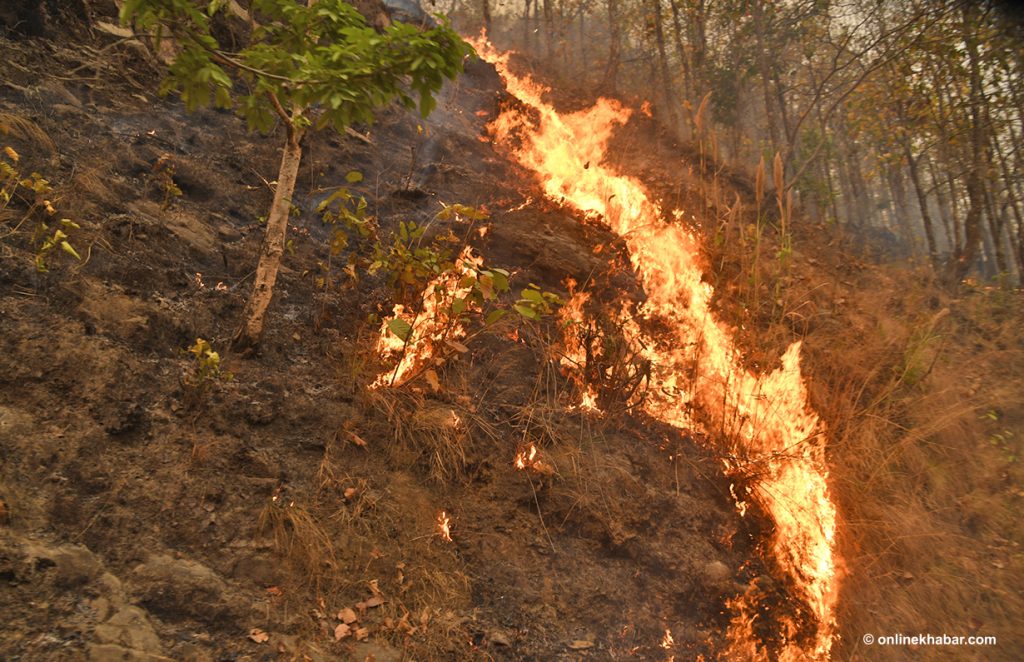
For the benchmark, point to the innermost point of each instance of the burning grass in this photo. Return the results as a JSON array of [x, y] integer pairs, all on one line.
[[763, 420]]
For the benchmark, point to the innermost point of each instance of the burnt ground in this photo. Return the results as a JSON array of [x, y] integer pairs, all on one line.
[[143, 519]]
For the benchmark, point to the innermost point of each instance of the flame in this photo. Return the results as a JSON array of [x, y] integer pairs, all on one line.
[[667, 641], [527, 459], [574, 355], [444, 526], [764, 420], [430, 326]]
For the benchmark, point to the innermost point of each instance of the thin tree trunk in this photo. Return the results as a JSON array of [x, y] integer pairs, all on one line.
[[668, 91], [611, 75], [961, 261], [248, 337], [922, 202], [945, 211], [526, 25]]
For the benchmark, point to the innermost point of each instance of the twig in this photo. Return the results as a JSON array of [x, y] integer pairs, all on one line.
[[540, 516]]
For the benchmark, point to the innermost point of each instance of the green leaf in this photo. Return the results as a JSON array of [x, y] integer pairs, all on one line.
[[458, 306], [400, 328], [526, 311], [500, 280], [354, 177], [69, 249], [494, 316], [533, 295]]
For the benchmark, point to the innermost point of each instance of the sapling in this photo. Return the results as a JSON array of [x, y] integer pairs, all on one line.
[[306, 67]]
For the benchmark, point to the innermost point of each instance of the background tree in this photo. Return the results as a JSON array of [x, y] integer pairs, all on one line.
[[305, 68], [900, 123]]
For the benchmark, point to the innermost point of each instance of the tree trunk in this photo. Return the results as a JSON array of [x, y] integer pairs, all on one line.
[[668, 91], [961, 261], [247, 339], [526, 25], [611, 74], [922, 202], [486, 9]]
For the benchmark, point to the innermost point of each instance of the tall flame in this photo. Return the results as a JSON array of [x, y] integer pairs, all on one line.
[[765, 419]]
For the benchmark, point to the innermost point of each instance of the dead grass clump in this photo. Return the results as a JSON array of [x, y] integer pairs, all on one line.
[[26, 129], [302, 541], [431, 432]]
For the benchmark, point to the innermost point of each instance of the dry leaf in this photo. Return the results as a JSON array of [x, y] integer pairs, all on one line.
[[342, 631], [362, 634], [542, 468], [375, 601], [356, 439], [374, 588], [581, 644], [457, 346], [347, 616], [351, 492], [275, 591], [431, 377], [258, 635]]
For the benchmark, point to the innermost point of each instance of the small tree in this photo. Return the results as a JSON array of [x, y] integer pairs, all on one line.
[[307, 66]]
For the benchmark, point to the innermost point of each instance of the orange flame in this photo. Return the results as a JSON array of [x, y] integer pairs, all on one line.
[[444, 526], [697, 366]]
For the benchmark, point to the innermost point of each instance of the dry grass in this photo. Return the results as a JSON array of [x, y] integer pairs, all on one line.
[[25, 129], [929, 528], [921, 396], [301, 539]]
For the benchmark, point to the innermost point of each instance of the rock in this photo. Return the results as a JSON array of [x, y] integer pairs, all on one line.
[[717, 572], [74, 565], [259, 570], [187, 652], [499, 638], [115, 653], [130, 628], [371, 652], [176, 588]]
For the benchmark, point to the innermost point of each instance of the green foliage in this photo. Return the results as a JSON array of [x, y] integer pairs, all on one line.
[[206, 363], [300, 57], [34, 191]]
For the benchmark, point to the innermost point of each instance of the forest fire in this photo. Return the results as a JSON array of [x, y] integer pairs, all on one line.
[[764, 423]]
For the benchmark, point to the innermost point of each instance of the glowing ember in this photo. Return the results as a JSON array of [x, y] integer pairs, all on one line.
[[444, 526], [667, 641], [764, 420]]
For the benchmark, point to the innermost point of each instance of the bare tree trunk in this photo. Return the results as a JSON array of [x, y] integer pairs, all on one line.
[[486, 9], [526, 25], [668, 91], [961, 261], [248, 337], [922, 202], [549, 30], [611, 74]]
